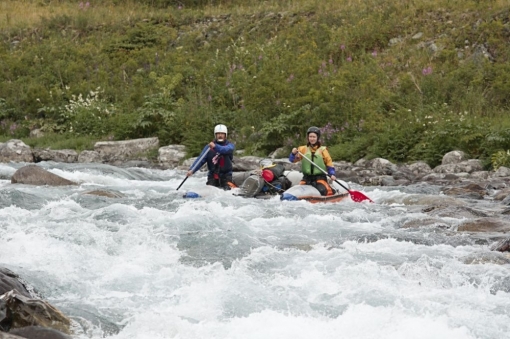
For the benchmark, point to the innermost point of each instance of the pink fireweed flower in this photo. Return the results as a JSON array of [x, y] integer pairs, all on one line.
[[328, 131], [349, 59], [427, 71], [342, 47], [374, 53]]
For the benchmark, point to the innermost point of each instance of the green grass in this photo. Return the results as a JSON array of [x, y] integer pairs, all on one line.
[[61, 141], [395, 79]]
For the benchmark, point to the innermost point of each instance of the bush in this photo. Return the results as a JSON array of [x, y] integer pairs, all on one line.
[[268, 70]]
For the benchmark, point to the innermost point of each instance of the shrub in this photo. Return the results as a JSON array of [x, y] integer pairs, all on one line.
[[500, 158], [268, 70]]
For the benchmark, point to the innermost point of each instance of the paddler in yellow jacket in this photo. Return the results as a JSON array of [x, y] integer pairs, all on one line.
[[320, 157]]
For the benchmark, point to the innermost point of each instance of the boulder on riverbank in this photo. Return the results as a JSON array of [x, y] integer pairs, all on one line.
[[11, 281], [23, 315], [15, 150], [108, 152], [22, 311]]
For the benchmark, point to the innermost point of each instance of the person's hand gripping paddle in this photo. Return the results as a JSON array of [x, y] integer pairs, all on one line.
[[355, 195]]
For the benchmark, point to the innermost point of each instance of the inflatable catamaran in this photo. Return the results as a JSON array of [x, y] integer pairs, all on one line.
[[252, 185]]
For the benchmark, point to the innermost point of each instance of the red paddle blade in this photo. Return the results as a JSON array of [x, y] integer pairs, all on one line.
[[358, 196]]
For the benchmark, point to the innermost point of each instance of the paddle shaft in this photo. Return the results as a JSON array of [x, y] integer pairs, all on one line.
[[182, 183], [192, 168]]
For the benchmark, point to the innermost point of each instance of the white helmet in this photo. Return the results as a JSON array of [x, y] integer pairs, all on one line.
[[220, 129]]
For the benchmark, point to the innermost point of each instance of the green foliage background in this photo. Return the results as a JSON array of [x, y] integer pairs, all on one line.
[[384, 78]]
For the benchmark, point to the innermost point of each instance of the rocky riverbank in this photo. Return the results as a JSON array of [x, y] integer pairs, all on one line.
[[456, 167]]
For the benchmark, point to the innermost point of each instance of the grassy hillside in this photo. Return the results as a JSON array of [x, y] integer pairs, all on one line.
[[403, 80]]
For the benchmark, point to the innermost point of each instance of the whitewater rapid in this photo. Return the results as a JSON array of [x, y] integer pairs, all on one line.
[[151, 264]]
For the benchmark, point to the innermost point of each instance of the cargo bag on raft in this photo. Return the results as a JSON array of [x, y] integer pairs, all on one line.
[[252, 185]]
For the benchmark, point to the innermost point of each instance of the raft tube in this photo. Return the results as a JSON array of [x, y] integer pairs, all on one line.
[[311, 194]]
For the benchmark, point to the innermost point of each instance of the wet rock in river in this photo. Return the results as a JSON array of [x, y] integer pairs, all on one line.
[[484, 225], [35, 175]]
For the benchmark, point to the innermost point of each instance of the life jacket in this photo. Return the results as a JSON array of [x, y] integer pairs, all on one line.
[[220, 165], [307, 168]]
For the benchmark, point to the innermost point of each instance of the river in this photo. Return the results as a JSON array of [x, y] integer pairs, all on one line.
[[151, 264]]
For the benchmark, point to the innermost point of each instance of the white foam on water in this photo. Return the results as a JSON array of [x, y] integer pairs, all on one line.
[[161, 266]]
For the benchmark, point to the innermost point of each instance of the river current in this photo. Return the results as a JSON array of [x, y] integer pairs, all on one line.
[[150, 264]]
